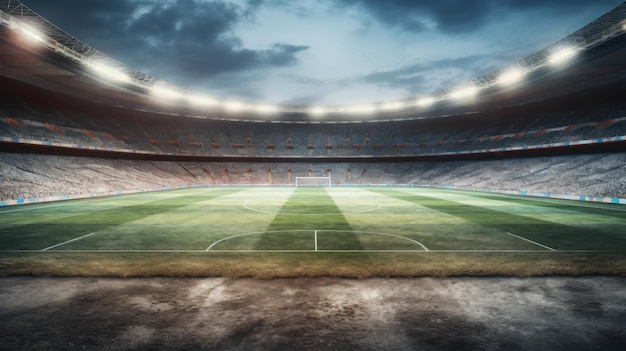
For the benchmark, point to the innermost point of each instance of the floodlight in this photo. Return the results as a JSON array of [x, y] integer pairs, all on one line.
[[392, 106], [31, 33], [266, 108], [426, 101], [165, 92], [464, 93], [317, 110], [234, 106], [562, 56], [108, 73], [369, 108], [201, 100], [511, 76]]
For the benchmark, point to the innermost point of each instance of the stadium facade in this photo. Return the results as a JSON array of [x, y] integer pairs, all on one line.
[[75, 122]]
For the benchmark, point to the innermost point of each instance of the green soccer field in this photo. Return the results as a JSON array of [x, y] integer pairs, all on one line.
[[313, 231]]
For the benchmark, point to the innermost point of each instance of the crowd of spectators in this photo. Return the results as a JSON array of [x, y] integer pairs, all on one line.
[[31, 175]]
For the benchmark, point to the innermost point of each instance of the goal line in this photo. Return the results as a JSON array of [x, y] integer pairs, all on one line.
[[313, 181]]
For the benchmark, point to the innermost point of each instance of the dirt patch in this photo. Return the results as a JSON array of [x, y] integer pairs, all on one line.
[[312, 314]]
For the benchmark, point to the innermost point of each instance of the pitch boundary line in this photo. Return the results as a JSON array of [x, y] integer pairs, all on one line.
[[67, 242], [530, 241], [310, 251]]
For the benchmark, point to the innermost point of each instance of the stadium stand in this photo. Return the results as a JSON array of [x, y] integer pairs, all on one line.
[[563, 131]]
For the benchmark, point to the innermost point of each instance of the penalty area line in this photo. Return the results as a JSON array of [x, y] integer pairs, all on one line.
[[67, 242], [532, 242]]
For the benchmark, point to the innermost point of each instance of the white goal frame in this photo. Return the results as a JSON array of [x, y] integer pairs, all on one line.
[[313, 181]]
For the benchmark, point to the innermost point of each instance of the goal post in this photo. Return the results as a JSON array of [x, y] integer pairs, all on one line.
[[313, 181]]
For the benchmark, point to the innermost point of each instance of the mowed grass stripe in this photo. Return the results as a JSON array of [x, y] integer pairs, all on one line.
[[559, 236], [54, 230], [307, 210]]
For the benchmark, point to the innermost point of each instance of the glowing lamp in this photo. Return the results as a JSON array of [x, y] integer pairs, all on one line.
[[317, 110], [201, 100], [464, 93], [511, 76], [426, 101], [562, 56], [392, 106], [164, 92], [108, 73], [31, 33], [266, 108], [234, 106]]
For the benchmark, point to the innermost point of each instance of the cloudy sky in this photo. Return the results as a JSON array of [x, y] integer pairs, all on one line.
[[319, 51]]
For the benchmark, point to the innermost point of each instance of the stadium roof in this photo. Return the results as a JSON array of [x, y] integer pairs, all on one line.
[[36, 51]]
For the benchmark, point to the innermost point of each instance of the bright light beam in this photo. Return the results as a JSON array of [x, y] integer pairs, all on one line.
[[464, 93], [425, 102], [511, 76], [164, 92], [392, 106], [266, 108], [234, 106], [318, 110], [31, 33], [562, 56], [367, 109], [201, 100], [108, 73]]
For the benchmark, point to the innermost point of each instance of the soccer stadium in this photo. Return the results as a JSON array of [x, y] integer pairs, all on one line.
[[136, 213]]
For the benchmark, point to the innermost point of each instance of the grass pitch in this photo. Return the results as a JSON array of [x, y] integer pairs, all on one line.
[[310, 231]]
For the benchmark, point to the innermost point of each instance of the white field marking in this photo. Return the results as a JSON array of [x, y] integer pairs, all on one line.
[[67, 242], [533, 242], [305, 251], [316, 231], [312, 251], [245, 205], [253, 233], [374, 233]]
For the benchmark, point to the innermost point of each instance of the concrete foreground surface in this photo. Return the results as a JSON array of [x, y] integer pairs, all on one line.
[[552, 313]]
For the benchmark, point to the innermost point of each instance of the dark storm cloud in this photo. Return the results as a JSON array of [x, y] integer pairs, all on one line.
[[453, 16], [188, 39]]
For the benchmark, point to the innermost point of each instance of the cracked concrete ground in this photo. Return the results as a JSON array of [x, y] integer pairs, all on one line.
[[313, 314]]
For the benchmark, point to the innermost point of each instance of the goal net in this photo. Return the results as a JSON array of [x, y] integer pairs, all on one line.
[[313, 181]]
